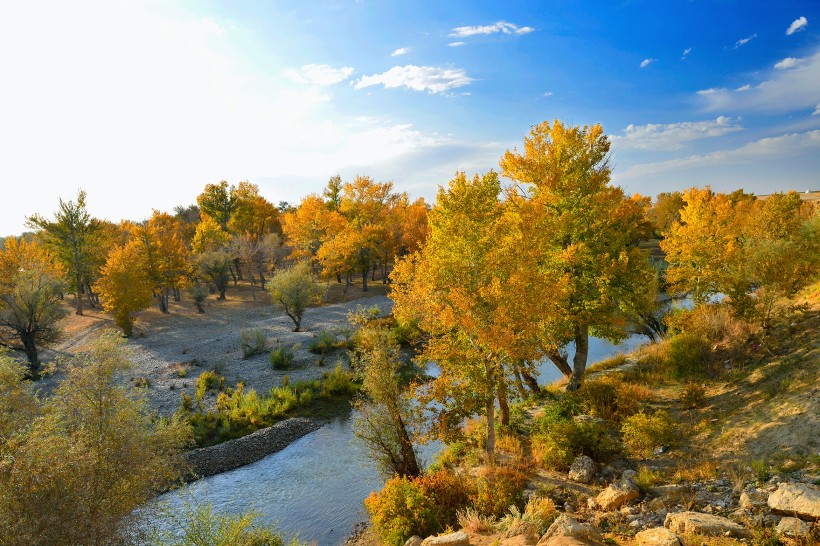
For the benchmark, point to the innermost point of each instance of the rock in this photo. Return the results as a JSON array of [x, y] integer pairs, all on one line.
[[618, 494], [566, 526], [752, 499], [582, 470], [561, 540], [414, 540], [519, 540], [629, 474], [793, 528], [459, 538], [667, 491], [703, 524], [655, 504], [657, 536], [796, 499]]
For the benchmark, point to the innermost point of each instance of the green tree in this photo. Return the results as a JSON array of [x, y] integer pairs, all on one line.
[[578, 227], [71, 237], [215, 267], [383, 419], [294, 289], [76, 469]]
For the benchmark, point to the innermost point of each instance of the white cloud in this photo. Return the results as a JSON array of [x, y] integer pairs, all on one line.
[[673, 136], [166, 115], [797, 25], [400, 51], [816, 110], [456, 44], [417, 78], [547, 94], [501, 26], [788, 62], [646, 62], [746, 40], [780, 91], [744, 88], [687, 51], [783, 146], [320, 74]]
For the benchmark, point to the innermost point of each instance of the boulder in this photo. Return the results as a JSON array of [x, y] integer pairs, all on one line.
[[617, 494], [561, 540], [796, 499], [582, 469], [753, 499], [703, 524], [793, 528], [670, 492], [459, 538], [414, 540], [657, 536], [567, 526]]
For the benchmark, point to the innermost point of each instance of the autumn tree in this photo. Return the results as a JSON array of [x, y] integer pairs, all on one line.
[[77, 466], [217, 201], [215, 267], [30, 299], [71, 237], [452, 288], [384, 413], [124, 287], [294, 289], [579, 227], [665, 211], [164, 255]]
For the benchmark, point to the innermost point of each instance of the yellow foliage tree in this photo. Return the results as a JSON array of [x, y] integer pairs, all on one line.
[[124, 288]]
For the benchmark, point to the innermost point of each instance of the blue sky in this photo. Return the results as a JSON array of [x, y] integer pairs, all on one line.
[[143, 103]]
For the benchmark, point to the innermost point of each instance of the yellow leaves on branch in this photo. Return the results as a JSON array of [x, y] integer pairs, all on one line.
[[124, 289]]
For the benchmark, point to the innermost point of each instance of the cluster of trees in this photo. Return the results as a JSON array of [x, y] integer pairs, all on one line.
[[231, 234], [508, 277]]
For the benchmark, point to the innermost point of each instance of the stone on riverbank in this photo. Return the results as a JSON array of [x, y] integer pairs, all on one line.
[[796, 499], [703, 524]]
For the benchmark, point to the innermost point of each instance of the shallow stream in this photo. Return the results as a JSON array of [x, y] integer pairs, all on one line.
[[315, 486]]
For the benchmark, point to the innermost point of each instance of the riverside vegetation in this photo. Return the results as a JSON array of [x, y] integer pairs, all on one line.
[[486, 283]]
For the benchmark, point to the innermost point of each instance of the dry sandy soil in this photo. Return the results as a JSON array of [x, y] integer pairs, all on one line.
[[164, 344]]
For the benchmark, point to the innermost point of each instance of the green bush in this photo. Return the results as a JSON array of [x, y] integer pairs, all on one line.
[[558, 439], [407, 333], [693, 395], [208, 382], [322, 343], [281, 357], [688, 354], [253, 342], [339, 381], [643, 432], [609, 398]]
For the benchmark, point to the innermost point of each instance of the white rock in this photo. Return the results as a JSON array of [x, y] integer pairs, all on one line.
[[657, 536], [796, 499], [793, 528], [459, 538], [703, 524]]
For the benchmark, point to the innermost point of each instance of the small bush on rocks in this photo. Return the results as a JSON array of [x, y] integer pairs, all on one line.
[[281, 357], [496, 489], [643, 432], [557, 440], [207, 382]]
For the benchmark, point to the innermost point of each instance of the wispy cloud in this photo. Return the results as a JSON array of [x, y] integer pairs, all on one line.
[[501, 26], [673, 136], [686, 52], [746, 40], [646, 62], [400, 51], [547, 94], [780, 91], [456, 44], [816, 110], [797, 25], [781, 146], [417, 78], [320, 74], [744, 87], [787, 63]]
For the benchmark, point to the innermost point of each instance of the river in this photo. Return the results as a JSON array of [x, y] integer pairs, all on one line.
[[315, 486]]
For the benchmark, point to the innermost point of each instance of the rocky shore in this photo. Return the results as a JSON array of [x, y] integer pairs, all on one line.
[[208, 461]]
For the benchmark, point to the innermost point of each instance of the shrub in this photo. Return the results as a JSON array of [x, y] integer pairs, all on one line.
[[646, 477], [496, 490], [207, 382], [322, 343], [643, 432], [610, 398], [688, 354], [536, 518], [400, 510], [253, 342], [281, 357], [407, 333], [557, 440], [339, 381], [693, 395]]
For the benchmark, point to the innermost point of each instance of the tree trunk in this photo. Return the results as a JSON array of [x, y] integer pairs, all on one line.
[[531, 382], [561, 363], [503, 403], [410, 464], [31, 354], [79, 294], [490, 446], [177, 296], [365, 271], [339, 278], [518, 383], [579, 361]]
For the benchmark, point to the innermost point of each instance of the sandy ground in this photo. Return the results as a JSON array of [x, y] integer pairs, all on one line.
[[165, 344]]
